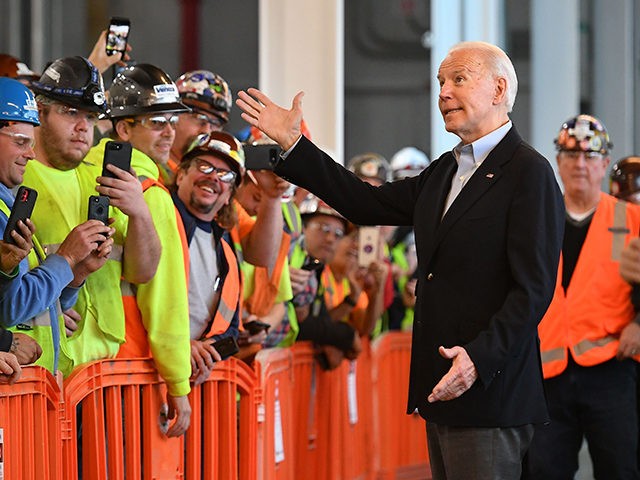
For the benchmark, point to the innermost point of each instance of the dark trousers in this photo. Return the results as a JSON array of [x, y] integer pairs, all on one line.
[[597, 403], [471, 453]]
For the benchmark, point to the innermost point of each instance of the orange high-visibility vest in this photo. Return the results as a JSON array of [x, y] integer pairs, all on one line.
[[136, 344], [229, 297], [596, 307]]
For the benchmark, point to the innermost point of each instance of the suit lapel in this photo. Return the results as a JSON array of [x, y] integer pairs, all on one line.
[[480, 182], [435, 193]]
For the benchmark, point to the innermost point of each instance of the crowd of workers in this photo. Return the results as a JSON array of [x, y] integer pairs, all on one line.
[[199, 250]]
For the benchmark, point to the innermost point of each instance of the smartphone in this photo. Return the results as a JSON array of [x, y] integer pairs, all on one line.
[[22, 209], [261, 157], [368, 245], [226, 347], [312, 264], [117, 36], [118, 154], [99, 208], [256, 326]]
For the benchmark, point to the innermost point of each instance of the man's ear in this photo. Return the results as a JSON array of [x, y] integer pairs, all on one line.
[[123, 130], [179, 176], [500, 90]]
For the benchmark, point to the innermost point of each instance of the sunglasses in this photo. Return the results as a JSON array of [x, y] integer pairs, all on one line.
[[225, 176]]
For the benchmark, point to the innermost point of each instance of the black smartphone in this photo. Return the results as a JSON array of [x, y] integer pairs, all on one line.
[[256, 326], [99, 208], [117, 36], [312, 264], [226, 347], [22, 209], [261, 157], [118, 154]]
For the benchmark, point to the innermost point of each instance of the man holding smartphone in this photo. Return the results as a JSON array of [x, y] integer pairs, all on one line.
[[144, 104], [70, 99], [37, 285]]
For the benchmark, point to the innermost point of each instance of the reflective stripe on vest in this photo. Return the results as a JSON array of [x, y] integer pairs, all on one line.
[[619, 229], [229, 296], [582, 347]]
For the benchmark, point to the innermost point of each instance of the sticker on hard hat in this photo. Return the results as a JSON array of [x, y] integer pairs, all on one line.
[[166, 93], [582, 129], [30, 103], [23, 69], [53, 74]]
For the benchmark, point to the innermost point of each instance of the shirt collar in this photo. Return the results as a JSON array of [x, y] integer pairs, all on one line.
[[481, 148]]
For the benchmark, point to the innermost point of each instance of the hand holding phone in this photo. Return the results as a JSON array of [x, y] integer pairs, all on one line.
[[117, 36], [99, 209], [254, 327], [22, 209], [226, 347], [312, 264]]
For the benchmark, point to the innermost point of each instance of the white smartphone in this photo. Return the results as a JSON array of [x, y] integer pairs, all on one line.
[[368, 245]]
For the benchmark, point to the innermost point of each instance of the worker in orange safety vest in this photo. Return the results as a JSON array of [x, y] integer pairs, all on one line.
[[590, 336]]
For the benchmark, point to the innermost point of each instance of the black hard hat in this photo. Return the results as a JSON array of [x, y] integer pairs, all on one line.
[[74, 81], [143, 89], [624, 179]]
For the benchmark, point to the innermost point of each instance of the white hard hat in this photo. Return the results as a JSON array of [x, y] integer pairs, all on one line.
[[408, 162]]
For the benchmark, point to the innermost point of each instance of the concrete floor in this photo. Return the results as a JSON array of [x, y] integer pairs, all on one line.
[[585, 472]]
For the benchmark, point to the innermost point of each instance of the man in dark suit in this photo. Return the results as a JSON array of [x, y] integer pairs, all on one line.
[[488, 221]]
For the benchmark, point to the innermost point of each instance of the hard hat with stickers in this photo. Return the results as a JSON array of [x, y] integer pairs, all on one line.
[[583, 133]]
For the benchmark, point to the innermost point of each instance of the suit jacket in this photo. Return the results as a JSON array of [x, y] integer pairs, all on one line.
[[486, 270]]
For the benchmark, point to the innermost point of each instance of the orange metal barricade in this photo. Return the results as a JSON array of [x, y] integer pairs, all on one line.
[[332, 421], [305, 413], [120, 407], [30, 426], [356, 425], [283, 419], [221, 442], [275, 415], [400, 439]]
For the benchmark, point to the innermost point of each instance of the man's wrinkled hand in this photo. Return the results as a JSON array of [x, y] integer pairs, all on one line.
[[460, 377]]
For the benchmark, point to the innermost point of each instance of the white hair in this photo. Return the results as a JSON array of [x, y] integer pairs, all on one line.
[[498, 63]]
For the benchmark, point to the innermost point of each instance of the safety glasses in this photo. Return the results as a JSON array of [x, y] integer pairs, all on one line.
[[75, 115], [156, 123], [22, 141], [205, 120]]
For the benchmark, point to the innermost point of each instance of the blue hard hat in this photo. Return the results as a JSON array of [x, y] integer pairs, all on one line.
[[17, 103]]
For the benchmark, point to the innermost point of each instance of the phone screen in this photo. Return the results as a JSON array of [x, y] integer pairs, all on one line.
[[117, 35]]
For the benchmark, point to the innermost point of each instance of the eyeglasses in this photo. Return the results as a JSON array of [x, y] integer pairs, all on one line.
[[156, 123], [205, 120], [326, 229], [574, 155], [75, 115], [225, 176], [22, 141]]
